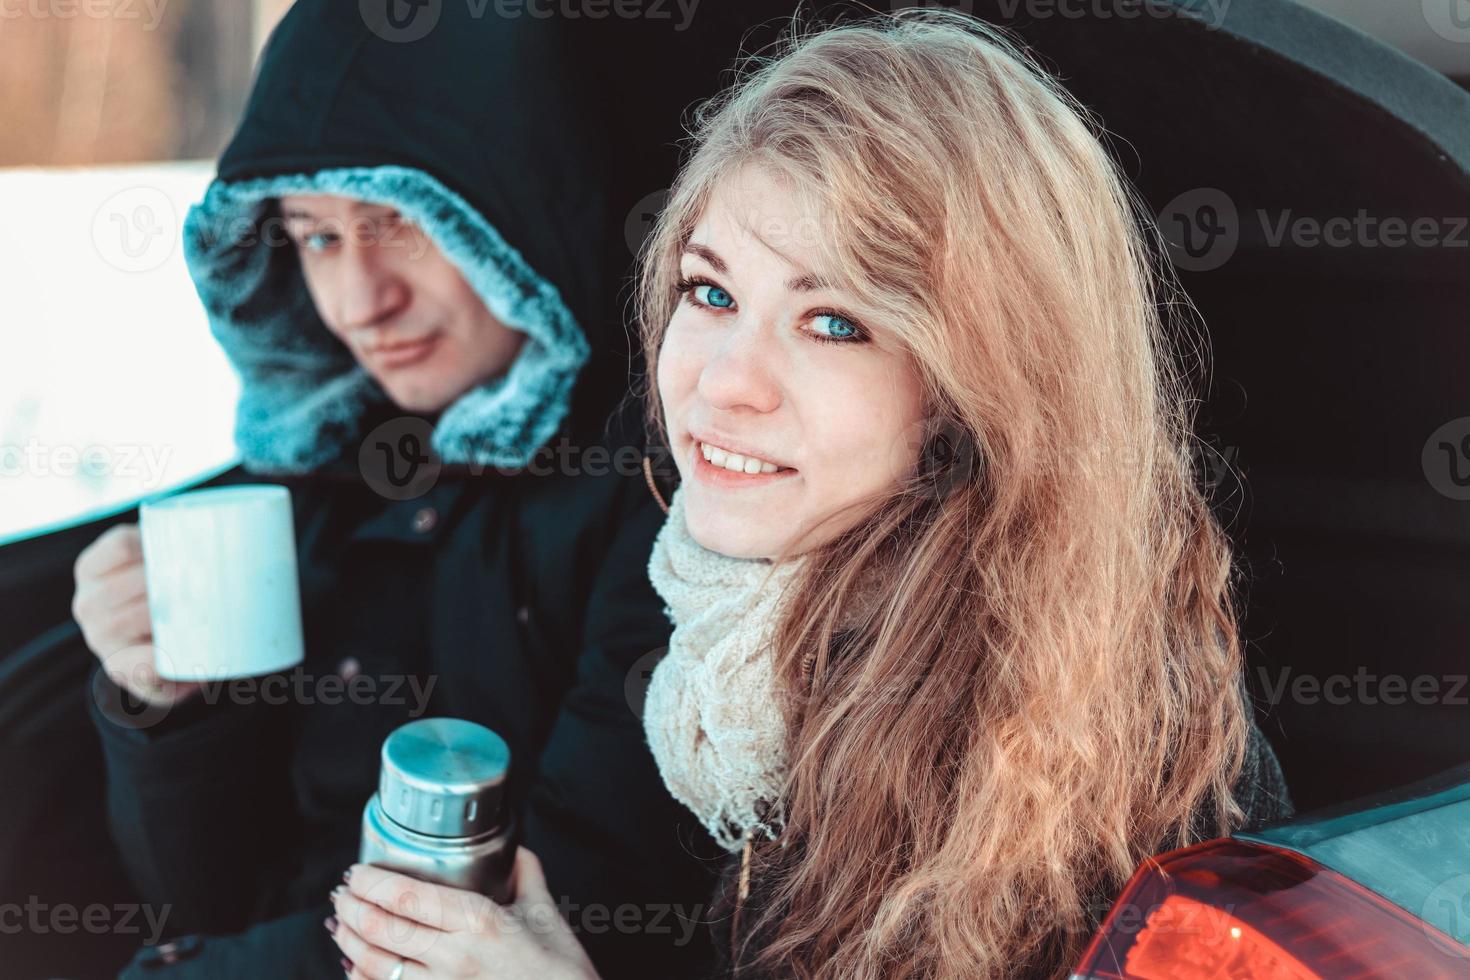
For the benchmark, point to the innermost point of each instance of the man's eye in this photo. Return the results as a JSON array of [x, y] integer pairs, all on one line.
[[384, 227], [710, 295], [317, 241]]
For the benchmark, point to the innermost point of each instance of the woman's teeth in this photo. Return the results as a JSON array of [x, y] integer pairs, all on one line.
[[735, 462]]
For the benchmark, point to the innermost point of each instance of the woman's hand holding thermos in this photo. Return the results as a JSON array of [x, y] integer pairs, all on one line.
[[393, 927], [441, 889]]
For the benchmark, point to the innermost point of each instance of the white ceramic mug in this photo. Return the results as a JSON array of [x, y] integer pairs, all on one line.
[[222, 583]]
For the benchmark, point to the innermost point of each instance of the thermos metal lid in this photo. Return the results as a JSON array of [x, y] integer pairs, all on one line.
[[444, 777]]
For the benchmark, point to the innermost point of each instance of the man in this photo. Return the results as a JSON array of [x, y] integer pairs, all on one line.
[[409, 257]]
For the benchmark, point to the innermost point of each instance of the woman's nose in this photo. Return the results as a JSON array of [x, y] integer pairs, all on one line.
[[743, 372]]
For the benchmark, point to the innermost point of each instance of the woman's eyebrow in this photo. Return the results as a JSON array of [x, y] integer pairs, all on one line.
[[709, 255], [804, 283]]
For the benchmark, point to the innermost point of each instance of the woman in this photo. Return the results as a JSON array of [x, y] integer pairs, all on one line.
[[954, 643]]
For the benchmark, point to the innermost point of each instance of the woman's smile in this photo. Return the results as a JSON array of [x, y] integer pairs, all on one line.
[[719, 466]]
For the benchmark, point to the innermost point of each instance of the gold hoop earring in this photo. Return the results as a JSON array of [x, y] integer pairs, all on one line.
[[652, 486]]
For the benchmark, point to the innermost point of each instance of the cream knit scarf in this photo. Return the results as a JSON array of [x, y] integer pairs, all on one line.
[[711, 712]]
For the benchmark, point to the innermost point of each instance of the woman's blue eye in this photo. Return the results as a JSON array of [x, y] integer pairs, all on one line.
[[832, 326], [318, 242], [713, 296]]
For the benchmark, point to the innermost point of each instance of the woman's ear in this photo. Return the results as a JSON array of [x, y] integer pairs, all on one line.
[[950, 458]]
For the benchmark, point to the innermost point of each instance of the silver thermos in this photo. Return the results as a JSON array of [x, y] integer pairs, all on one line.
[[440, 812]]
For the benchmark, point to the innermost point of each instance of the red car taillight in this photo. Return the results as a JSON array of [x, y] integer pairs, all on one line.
[[1227, 909]]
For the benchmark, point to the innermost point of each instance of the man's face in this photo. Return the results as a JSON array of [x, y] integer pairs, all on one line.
[[403, 309]]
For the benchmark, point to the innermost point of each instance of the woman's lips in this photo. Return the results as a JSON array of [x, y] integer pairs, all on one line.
[[721, 468], [405, 354]]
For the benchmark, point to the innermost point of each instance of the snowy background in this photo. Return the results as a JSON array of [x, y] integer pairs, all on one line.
[[111, 387]]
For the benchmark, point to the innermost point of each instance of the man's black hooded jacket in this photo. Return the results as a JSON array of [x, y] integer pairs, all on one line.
[[488, 563]]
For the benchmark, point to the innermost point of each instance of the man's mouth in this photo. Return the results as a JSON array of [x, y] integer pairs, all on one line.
[[403, 353]]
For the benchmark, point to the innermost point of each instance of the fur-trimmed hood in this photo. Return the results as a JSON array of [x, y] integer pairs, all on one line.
[[473, 132]]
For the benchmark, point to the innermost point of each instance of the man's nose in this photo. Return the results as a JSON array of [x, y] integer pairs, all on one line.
[[369, 289], [744, 372]]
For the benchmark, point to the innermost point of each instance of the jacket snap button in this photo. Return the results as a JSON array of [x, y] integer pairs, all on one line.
[[167, 954], [424, 520]]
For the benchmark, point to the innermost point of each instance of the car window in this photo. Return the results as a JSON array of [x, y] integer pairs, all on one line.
[[111, 387]]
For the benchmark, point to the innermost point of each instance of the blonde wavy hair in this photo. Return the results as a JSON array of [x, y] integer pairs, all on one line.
[[1047, 689]]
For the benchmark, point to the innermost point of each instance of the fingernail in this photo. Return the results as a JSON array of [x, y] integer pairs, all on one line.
[[331, 923], [347, 967], [337, 892], [347, 875]]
